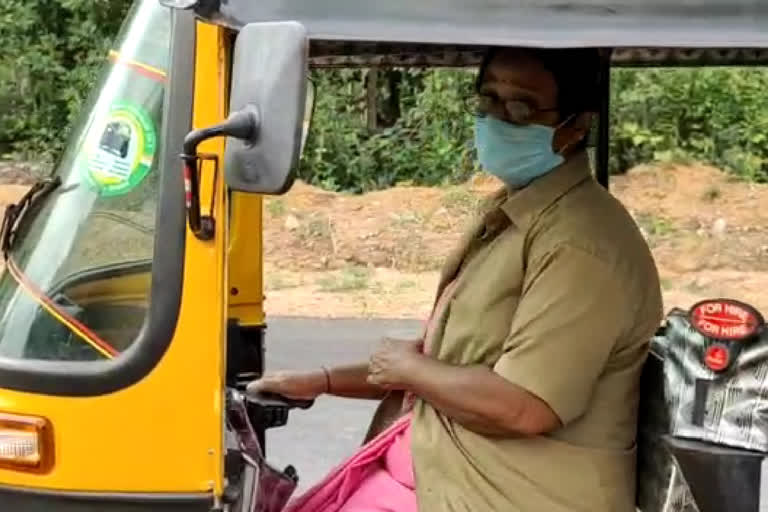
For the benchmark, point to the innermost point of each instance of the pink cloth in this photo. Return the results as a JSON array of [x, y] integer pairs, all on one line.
[[379, 477], [389, 486]]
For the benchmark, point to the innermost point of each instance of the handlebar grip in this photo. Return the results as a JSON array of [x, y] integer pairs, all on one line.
[[268, 399]]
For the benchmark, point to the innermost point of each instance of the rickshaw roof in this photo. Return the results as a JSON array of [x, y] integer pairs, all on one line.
[[640, 31]]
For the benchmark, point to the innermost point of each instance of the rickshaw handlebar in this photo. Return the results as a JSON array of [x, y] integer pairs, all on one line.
[[268, 399]]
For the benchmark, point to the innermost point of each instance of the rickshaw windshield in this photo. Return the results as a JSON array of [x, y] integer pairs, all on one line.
[[77, 279]]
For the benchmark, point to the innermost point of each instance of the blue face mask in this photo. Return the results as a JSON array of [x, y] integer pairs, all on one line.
[[515, 154]]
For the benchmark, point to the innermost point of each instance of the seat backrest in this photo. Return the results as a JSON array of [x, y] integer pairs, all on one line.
[[702, 432], [660, 487], [725, 406]]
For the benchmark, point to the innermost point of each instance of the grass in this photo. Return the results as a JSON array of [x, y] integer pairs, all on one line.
[[655, 225], [276, 207], [281, 281], [346, 280], [461, 199], [711, 194], [315, 229], [408, 218], [414, 254]]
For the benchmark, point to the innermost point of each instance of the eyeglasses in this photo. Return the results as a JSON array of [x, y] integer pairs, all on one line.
[[511, 111]]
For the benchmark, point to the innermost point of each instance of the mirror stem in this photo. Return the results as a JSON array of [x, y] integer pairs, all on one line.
[[244, 125]]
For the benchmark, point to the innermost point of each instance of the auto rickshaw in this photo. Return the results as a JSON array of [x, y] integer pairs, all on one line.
[[132, 306]]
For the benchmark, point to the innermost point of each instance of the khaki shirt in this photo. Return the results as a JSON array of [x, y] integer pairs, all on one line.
[[557, 291]]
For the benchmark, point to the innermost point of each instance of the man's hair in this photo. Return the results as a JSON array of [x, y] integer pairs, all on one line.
[[576, 72]]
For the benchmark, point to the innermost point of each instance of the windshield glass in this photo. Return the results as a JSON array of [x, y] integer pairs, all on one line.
[[77, 278]]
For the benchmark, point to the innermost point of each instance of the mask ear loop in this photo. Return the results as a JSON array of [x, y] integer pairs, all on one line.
[[554, 132]]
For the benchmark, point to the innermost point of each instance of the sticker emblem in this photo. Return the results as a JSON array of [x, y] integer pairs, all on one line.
[[120, 150], [717, 358]]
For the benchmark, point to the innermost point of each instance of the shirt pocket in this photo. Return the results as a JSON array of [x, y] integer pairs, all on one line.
[[479, 314], [477, 327]]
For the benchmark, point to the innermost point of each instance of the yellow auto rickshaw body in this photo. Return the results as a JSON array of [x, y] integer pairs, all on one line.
[[158, 442], [133, 418]]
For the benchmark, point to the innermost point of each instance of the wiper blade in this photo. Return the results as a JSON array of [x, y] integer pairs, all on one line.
[[125, 221], [15, 213]]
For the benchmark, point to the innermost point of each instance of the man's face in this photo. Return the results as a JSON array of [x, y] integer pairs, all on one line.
[[517, 88]]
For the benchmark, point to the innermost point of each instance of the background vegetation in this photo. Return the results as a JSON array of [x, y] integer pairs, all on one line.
[[414, 129], [50, 54]]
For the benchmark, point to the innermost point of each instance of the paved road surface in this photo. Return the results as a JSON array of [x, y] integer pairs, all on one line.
[[317, 439]]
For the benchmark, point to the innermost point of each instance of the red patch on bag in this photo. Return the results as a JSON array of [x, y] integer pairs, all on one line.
[[717, 358], [726, 320]]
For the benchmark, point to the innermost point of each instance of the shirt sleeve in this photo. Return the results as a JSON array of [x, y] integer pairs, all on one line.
[[572, 312]]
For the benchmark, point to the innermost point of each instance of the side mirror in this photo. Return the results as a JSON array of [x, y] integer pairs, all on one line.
[[269, 83]]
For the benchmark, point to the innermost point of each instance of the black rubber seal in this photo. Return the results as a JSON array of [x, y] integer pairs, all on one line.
[[15, 499]]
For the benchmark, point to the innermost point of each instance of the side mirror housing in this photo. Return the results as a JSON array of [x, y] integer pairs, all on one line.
[[269, 81]]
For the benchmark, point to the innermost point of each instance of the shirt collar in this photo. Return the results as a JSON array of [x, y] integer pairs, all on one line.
[[524, 205]]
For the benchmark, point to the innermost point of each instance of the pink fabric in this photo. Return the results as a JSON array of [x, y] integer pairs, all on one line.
[[365, 481], [379, 477], [389, 486], [397, 460]]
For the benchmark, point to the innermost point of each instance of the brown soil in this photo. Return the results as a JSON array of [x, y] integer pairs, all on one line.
[[377, 254]]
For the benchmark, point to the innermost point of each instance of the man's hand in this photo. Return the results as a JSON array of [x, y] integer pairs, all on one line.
[[392, 362], [295, 385]]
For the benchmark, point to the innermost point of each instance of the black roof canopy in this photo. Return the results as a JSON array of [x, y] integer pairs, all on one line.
[[454, 32]]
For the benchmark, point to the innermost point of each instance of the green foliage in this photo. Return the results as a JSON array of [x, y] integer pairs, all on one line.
[[719, 116], [53, 49], [429, 143], [51, 52]]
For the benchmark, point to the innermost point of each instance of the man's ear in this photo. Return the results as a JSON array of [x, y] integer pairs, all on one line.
[[572, 132]]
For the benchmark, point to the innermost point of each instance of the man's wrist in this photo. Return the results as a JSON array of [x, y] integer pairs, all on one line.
[[318, 381], [413, 370]]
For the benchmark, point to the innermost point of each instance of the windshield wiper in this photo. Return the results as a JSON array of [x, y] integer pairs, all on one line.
[[125, 221], [15, 213]]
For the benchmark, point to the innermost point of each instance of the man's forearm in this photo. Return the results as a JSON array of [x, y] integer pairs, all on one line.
[[475, 397], [349, 381]]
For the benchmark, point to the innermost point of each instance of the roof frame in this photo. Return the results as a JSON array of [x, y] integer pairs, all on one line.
[[351, 54], [424, 32]]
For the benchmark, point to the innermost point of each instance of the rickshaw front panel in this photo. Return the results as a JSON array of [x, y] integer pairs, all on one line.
[[154, 442]]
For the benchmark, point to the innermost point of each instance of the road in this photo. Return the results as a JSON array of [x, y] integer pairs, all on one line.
[[317, 439]]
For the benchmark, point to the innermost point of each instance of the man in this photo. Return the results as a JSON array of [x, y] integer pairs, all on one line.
[[526, 384]]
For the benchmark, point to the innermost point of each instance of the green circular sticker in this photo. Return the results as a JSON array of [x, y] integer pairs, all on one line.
[[120, 150]]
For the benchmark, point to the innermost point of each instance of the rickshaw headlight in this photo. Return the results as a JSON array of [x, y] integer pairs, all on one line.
[[26, 443]]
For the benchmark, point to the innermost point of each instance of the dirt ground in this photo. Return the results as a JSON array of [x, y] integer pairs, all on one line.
[[377, 255]]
